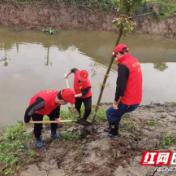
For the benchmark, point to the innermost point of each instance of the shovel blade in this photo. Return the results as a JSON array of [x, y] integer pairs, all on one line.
[[74, 111]]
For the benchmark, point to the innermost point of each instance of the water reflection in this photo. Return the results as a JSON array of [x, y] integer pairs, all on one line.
[[47, 57], [31, 62], [94, 66], [161, 66], [5, 59], [97, 45]]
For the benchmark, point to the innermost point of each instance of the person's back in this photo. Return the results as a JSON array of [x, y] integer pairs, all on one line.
[[49, 98], [47, 102], [133, 91]]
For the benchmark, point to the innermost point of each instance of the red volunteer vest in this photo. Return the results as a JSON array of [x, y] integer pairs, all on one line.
[[81, 86], [49, 97], [133, 91]]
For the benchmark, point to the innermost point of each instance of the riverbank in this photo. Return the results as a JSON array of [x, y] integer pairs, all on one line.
[[42, 14], [150, 127]]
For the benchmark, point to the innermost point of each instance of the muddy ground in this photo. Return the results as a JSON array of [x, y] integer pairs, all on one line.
[[93, 155]]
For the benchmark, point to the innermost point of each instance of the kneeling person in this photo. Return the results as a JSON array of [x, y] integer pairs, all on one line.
[[47, 102]]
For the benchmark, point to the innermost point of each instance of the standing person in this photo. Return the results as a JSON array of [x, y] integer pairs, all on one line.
[[47, 102], [82, 88], [128, 94]]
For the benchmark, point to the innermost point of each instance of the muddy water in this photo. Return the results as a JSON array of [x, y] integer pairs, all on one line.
[[32, 61]]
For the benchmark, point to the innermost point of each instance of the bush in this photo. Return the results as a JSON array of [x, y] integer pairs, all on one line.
[[106, 5], [163, 8], [49, 31]]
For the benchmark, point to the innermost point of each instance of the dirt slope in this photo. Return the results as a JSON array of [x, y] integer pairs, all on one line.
[[94, 155], [40, 15]]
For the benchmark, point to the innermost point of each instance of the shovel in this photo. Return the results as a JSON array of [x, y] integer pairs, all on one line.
[[61, 121], [73, 110]]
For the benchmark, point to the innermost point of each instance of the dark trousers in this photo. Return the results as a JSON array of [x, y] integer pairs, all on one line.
[[113, 115], [39, 117], [87, 104]]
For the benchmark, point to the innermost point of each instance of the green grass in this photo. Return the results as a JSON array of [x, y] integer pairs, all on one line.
[[15, 132], [12, 148], [131, 127], [152, 123], [128, 125], [66, 115], [70, 136], [171, 103], [105, 5], [163, 8], [32, 153], [101, 114], [165, 142]]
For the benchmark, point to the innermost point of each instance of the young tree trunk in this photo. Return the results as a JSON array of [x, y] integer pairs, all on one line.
[[105, 78]]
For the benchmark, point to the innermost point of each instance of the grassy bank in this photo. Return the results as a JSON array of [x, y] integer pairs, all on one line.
[[163, 9], [17, 144], [14, 154], [105, 5], [159, 9]]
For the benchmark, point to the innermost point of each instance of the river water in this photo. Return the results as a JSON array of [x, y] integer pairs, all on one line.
[[33, 61]]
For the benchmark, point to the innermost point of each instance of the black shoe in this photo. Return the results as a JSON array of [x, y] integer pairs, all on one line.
[[113, 133], [109, 135]]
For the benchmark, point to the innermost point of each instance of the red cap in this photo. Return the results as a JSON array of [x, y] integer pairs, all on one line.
[[119, 48], [84, 75], [68, 95]]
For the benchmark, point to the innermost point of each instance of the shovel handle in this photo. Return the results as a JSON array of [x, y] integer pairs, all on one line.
[[67, 82], [68, 86], [61, 121]]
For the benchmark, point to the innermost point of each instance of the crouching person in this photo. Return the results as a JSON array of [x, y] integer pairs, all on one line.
[[128, 91], [47, 102]]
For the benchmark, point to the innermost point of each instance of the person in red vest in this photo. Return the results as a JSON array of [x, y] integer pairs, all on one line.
[[82, 88], [128, 94], [47, 102]]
